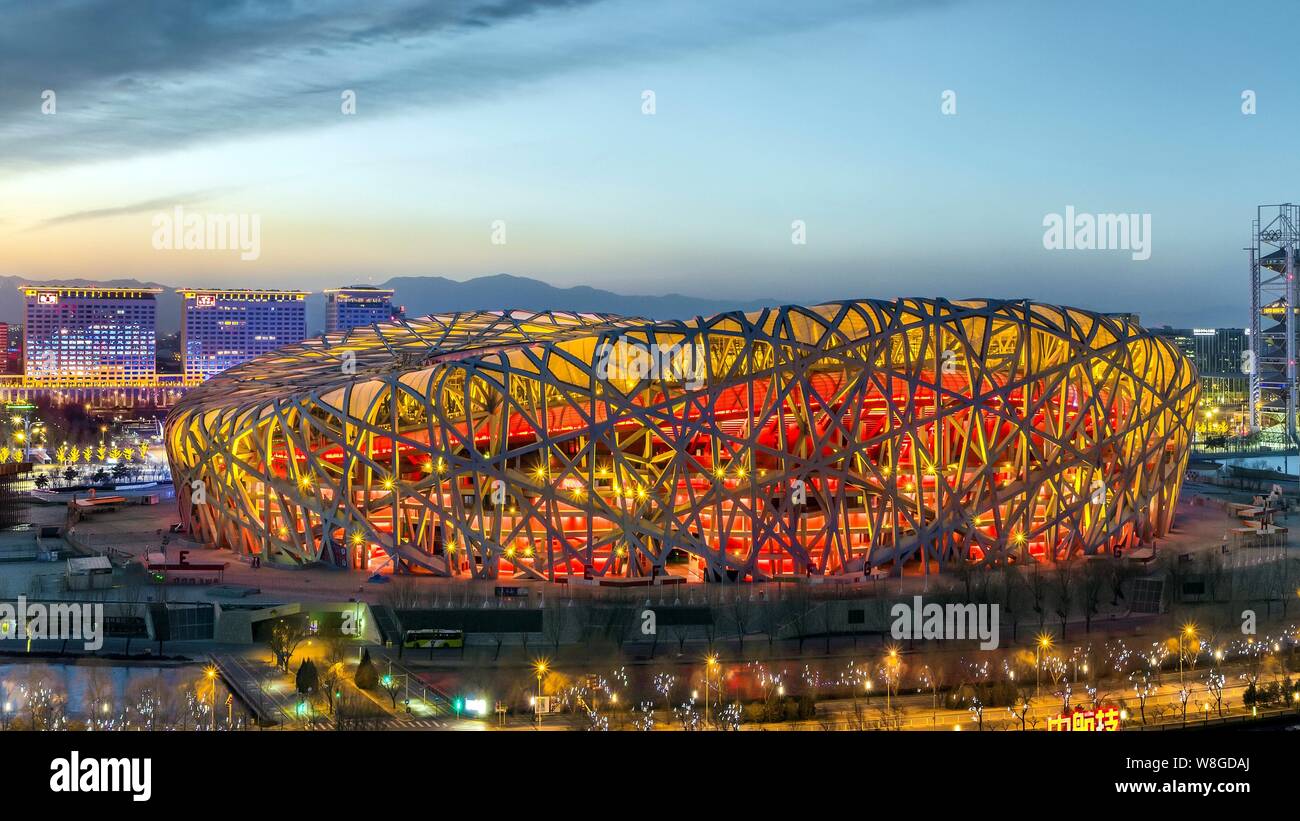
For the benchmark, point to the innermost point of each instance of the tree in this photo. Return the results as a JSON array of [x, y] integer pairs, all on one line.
[[69, 473], [1038, 589], [1021, 706], [336, 650], [329, 689], [366, 676], [1143, 688], [392, 686], [285, 637], [356, 713], [1064, 589], [1010, 597], [554, 617], [741, 610], [798, 607], [307, 680], [1094, 580], [42, 481], [1214, 685], [127, 605]]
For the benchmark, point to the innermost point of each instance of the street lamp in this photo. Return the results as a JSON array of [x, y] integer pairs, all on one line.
[[709, 662], [211, 672], [1188, 631], [540, 666], [1044, 643], [891, 668]]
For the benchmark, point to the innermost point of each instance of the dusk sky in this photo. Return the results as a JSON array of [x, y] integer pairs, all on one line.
[[766, 112]]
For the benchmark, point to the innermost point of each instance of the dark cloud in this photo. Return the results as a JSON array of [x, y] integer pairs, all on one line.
[[132, 76], [162, 74]]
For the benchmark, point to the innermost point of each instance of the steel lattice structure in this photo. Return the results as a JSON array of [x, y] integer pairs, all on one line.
[[834, 439]]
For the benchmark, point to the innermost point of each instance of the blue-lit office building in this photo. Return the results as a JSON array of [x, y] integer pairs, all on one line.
[[358, 306], [89, 336], [221, 328]]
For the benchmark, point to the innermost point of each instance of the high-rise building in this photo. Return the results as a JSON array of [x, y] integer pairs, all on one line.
[[89, 336], [1222, 365], [360, 305], [221, 328]]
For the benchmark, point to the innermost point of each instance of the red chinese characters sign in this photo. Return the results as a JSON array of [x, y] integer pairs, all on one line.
[[1106, 719]]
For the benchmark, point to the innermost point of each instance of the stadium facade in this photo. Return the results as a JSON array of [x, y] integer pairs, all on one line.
[[835, 440]]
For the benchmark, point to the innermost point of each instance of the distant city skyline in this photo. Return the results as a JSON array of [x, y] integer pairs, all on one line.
[[524, 121]]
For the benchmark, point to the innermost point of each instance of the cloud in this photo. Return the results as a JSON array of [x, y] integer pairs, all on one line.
[[174, 71], [144, 207], [171, 73]]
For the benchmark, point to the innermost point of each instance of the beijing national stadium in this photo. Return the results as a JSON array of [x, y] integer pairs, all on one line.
[[844, 439]]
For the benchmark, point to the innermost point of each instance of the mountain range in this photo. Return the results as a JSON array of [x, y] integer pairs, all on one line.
[[424, 295]]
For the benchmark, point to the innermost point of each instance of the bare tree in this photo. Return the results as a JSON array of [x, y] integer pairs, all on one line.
[[1063, 588], [127, 606], [354, 712], [741, 610], [286, 635], [1092, 584], [799, 606], [555, 617], [403, 593], [1038, 592], [1010, 598], [1214, 686]]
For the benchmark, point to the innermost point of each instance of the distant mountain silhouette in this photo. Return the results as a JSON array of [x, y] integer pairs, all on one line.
[[169, 302], [434, 294], [428, 295]]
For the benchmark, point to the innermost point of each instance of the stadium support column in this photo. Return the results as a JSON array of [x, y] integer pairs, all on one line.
[[396, 469], [1256, 348], [1290, 337]]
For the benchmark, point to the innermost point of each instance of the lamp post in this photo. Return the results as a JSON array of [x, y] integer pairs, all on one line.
[[891, 667], [211, 673], [1044, 643], [708, 667], [22, 418], [539, 668], [1188, 631]]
